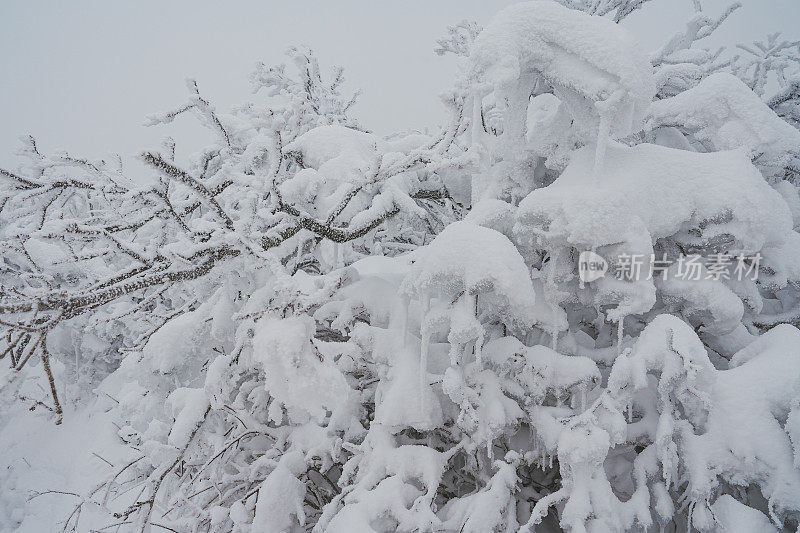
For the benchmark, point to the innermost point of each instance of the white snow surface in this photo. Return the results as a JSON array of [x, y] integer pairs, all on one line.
[[446, 370]]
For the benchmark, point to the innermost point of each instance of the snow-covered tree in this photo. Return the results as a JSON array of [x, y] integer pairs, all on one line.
[[307, 327]]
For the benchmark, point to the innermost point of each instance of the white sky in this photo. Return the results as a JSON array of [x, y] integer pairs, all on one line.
[[82, 75]]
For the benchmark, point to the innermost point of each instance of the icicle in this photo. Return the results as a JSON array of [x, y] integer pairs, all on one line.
[[370, 241], [630, 412], [551, 273], [606, 108], [454, 354], [554, 338], [335, 255], [602, 145], [405, 320], [476, 140], [423, 353], [477, 120], [424, 306], [479, 340], [619, 334], [550, 455]]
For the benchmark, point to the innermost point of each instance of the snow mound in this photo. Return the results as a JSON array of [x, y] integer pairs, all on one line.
[[494, 214], [724, 113], [544, 370], [648, 192], [735, 517], [339, 162], [408, 400], [321, 144], [548, 128], [173, 343], [744, 440], [295, 375], [478, 260], [655, 191], [335, 161], [740, 410], [703, 297], [280, 497], [188, 407], [582, 56]]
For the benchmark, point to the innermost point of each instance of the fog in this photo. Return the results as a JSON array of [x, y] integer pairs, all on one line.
[[83, 75]]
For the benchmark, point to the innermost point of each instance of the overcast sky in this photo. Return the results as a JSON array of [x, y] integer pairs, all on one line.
[[82, 75]]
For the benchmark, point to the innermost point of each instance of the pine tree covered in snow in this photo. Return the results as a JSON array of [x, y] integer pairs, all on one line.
[[307, 327]]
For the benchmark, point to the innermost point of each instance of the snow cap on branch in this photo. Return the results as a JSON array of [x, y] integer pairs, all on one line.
[[477, 260], [591, 63]]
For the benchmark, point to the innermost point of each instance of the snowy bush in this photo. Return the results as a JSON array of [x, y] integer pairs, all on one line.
[[307, 327]]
